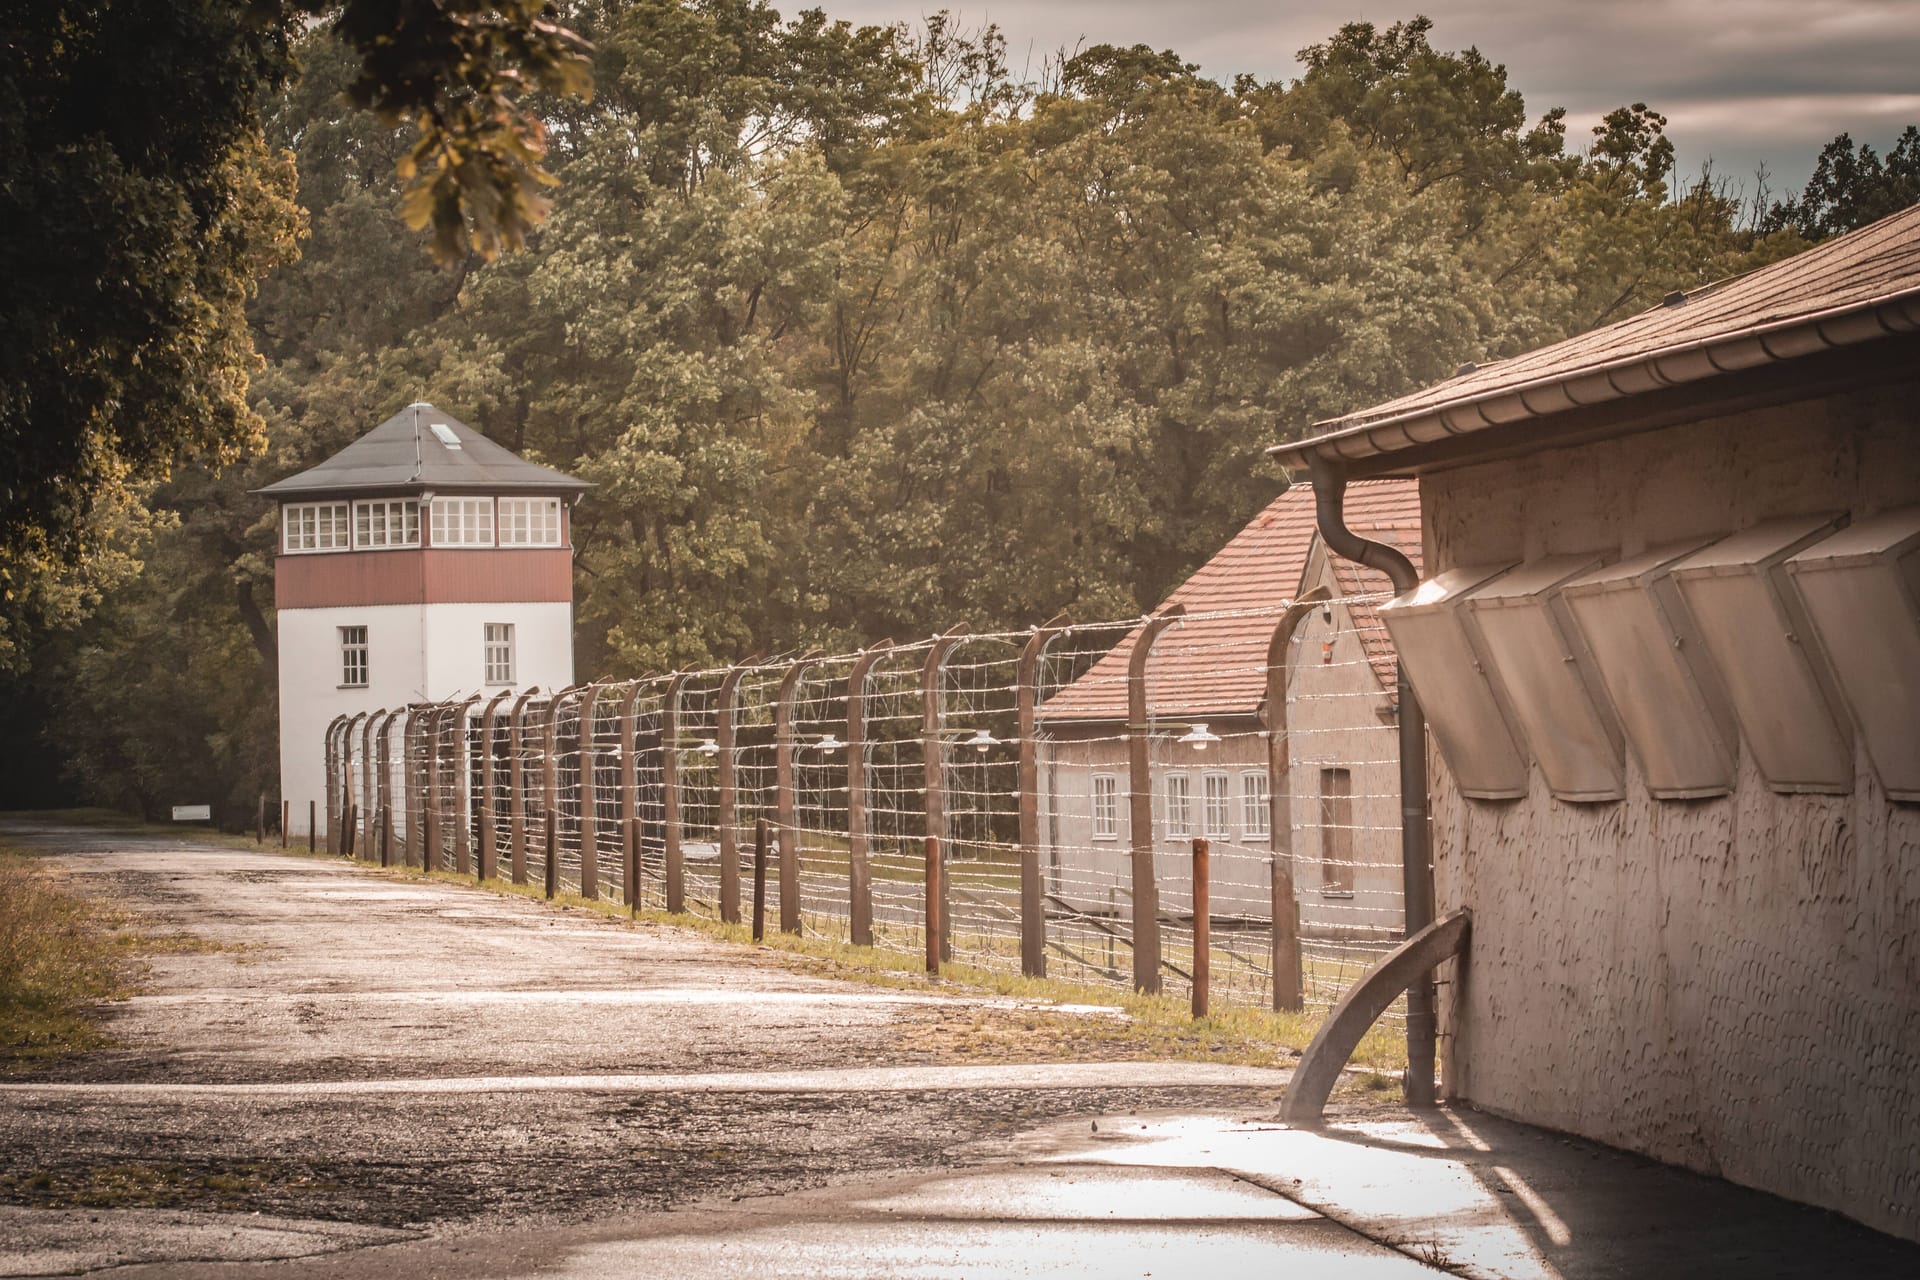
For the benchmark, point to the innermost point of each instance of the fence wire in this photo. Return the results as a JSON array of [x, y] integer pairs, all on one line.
[[1010, 767]]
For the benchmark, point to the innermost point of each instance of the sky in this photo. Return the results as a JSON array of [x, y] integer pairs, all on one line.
[[1741, 82]]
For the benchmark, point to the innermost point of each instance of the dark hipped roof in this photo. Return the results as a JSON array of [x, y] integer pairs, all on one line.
[[1216, 663], [404, 454], [1852, 289]]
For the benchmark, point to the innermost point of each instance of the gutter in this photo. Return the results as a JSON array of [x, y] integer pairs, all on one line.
[[1416, 869], [1752, 347]]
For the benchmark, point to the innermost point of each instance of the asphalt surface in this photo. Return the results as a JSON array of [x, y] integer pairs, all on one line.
[[373, 1078]]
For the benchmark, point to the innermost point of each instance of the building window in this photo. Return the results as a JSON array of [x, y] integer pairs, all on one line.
[[529, 522], [463, 522], [499, 653], [1256, 807], [1179, 806], [353, 657], [1217, 794], [1336, 831], [386, 523], [316, 526], [1106, 806]]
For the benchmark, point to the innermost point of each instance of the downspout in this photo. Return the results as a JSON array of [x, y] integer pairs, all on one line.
[[1416, 859]]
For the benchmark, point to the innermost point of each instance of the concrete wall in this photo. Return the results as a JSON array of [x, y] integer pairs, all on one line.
[[1731, 984], [415, 653]]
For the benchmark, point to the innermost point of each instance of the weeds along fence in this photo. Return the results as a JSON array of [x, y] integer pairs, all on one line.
[[1027, 800]]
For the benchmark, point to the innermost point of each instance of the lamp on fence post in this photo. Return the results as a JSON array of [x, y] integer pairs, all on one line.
[[489, 860], [729, 791], [517, 787], [589, 800], [859, 872], [675, 862], [783, 800], [1033, 918], [933, 755], [1146, 888], [1285, 960]]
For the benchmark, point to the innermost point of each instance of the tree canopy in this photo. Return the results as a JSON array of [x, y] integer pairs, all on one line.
[[859, 334]]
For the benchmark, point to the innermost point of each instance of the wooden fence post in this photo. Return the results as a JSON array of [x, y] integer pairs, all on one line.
[[1033, 912], [1146, 885], [784, 807], [589, 800], [729, 792], [1202, 925], [1288, 980], [934, 759], [676, 867], [859, 871]]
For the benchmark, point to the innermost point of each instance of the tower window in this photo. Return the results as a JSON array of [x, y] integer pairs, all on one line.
[[499, 647], [394, 523], [353, 657], [316, 526], [529, 522], [463, 522]]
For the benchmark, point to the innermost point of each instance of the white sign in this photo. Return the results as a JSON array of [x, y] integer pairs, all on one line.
[[193, 813]]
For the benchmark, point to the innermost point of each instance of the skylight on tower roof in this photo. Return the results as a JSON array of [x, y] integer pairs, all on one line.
[[444, 434]]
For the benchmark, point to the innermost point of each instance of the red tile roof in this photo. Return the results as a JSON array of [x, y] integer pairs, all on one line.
[[1855, 288], [1215, 663]]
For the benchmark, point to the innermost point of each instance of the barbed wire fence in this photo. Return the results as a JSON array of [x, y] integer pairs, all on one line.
[[1028, 801]]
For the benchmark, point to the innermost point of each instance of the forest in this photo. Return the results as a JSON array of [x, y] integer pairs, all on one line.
[[858, 333]]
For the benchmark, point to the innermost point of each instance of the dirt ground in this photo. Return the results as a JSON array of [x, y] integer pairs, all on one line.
[[341, 1046]]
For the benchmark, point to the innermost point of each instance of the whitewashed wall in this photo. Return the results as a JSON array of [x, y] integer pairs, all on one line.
[[415, 653], [1733, 984]]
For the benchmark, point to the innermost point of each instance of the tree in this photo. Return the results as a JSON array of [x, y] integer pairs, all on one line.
[[141, 207], [1851, 187]]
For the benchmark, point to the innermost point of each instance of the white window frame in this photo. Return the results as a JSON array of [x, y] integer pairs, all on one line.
[[1179, 800], [463, 522], [1106, 806], [312, 528], [1216, 805], [496, 653], [353, 645], [531, 522], [1256, 804], [384, 524]]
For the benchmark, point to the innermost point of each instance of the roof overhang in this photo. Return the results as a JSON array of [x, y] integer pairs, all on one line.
[[1763, 364]]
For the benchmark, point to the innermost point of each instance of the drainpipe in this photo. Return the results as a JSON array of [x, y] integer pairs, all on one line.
[[1329, 494]]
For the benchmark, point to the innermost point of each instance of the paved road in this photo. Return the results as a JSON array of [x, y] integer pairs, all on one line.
[[380, 1078]]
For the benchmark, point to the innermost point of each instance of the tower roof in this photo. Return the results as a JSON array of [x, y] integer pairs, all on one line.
[[420, 448]]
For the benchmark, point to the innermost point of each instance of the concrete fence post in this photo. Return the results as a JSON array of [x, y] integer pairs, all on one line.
[[286, 818], [517, 786], [785, 807], [550, 788], [1146, 886], [859, 870], [489, 859], [729, 816], [675, 866], [1033, 914], [1285, 961], [630, 797], [332, 787], [383, 787], [348, 800], [312, 818], [934, 758], [433, 759], [760, 881], [369, 787], [463, 798], [589, 799]]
